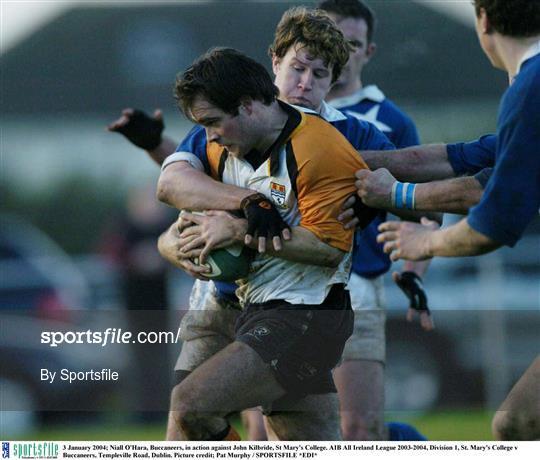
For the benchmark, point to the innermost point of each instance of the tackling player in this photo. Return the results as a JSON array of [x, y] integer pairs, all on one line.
[[360, 377]]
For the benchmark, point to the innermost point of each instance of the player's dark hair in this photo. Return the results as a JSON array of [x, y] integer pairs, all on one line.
[[514, 18], [351, 9], [315, 31], [223, 77]]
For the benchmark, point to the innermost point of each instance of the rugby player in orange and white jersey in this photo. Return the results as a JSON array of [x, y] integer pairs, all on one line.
[[297, 313]]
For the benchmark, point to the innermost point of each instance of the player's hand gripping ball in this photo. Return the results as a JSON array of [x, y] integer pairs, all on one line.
[[228, 264]]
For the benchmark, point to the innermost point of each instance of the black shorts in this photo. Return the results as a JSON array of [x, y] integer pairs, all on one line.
[[302, 343]]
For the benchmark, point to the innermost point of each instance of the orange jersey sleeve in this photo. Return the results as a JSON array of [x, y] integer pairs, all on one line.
[[325, 163]]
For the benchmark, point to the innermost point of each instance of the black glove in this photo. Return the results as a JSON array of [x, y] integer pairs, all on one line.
[[364, 213], [411, 284], [142, 130], [263, 218]]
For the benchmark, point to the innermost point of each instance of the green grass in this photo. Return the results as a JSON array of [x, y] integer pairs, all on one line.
[[465, 425], [440, 426]]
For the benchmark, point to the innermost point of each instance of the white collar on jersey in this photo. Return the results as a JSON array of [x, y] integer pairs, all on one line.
[[370, 92], [532, 51], [327, 112]]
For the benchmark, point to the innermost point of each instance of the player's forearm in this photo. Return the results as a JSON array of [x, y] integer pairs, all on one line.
[[303, 247], [421, 163], [162, 151], [184, 187], [459, 240], [453, 195]]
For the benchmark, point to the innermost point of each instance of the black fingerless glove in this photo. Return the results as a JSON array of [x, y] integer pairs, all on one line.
[[142, 130], [263, 218], [411, 284]]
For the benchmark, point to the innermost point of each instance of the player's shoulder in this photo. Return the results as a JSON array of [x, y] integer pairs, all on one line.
[[194, 139], [316, 132], [392, 110]]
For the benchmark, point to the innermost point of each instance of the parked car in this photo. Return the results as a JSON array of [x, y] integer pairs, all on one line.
[[36, 273], [42, 289]]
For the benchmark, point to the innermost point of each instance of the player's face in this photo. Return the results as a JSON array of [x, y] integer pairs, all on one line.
[[355, 32], [302, 79], [230, 131]]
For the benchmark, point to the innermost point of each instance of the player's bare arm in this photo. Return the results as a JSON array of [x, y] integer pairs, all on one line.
[[220, 229], [457, 195], [182, 186], [420, 163], [145, 132], [405, 240]]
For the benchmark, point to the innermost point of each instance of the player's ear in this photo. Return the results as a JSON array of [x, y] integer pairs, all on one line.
[[370, 50], [276, 62], [246, 105], [485, 25]]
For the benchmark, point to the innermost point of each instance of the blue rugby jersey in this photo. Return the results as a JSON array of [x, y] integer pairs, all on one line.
[[370, 104], [512, 195]]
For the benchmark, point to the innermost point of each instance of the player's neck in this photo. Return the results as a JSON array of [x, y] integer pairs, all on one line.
[[273, 122], [511, 52], [345, 90]]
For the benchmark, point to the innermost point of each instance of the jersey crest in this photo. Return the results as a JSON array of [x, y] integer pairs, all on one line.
[[278, 193]]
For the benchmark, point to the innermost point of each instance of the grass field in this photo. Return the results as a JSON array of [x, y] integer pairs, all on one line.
[[438, 426]]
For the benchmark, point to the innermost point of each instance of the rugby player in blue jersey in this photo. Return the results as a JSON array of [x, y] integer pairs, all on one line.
[[360, 378], [509, 34]]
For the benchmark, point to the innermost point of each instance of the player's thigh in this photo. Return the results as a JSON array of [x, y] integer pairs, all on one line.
[[312, 418], [206, 328], [368, 340], [234, 379]]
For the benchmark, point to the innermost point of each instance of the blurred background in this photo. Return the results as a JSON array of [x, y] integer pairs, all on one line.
[[79, 220]]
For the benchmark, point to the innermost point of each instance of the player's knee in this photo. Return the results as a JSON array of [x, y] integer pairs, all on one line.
[[183, 411], [356, 429], [502, 426], [506, 426]]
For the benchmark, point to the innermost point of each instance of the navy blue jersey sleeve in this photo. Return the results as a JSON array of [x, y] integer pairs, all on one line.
[[195, 143], [471, 157]]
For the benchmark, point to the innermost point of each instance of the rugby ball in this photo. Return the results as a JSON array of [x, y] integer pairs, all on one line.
[[229, 264]]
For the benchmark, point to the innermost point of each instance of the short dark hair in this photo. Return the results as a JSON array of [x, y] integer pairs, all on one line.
[[351, 9], [514, 18], [223, 77], [315, 31]]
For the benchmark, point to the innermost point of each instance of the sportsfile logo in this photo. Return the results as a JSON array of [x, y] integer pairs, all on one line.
[[29, 450], [5, 450]]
